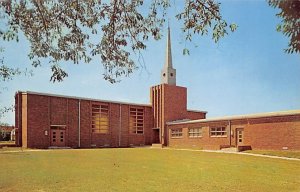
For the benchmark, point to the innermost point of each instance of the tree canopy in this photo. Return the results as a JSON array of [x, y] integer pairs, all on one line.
[[76, 31], [290, 26]]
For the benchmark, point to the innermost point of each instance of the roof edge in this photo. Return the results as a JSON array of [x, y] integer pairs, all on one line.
[[238, 117], [192, 110], [83, 98]]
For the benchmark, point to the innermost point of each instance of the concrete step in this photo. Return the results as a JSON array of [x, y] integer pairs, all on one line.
[[230, 149], [156, 145], [55, 147]]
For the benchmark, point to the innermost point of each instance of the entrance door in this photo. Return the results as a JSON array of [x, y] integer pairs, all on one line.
[[155, 135], [240, 136], [58, 137]]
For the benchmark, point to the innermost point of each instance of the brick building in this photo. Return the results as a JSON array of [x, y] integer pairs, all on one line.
[[48, 120]]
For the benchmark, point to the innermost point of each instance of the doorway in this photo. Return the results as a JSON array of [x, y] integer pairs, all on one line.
[[155, 135], [57, 137], [240, 136]]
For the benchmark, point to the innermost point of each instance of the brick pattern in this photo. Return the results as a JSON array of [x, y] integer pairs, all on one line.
[[35, 114], [72, 123], [275, 133], [44, 111], [169, 104], [193, 115]]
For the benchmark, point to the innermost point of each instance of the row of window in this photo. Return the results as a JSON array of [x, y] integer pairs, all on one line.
[[100, 119], [197, 132]]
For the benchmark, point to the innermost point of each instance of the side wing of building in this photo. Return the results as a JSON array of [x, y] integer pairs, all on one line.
[[272, 131]]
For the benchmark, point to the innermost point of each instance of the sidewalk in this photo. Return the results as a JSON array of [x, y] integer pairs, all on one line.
[[238, 153]]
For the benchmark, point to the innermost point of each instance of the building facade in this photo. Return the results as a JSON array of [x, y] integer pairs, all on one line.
[[267, 131], [47, 120]]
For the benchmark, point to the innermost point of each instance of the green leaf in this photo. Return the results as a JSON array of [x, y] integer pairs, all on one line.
[[186, 51], [233, 27]]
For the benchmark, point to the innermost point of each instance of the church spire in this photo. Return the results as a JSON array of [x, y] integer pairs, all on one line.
[[168, 73], [168, 60]]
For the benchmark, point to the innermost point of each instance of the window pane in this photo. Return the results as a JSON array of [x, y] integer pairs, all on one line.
[[100, 118], [136, 121]]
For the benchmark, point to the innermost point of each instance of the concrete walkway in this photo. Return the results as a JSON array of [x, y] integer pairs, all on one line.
[[238, 153]]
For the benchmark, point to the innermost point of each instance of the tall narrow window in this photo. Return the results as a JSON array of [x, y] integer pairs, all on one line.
[[136, 121], [100, 118]]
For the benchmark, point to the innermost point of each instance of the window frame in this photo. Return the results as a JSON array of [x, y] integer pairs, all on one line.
[[176, 133], [98, 125], [194, 133], [138, 124], [213, 131]]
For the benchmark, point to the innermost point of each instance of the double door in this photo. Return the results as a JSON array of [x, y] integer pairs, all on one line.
[[58, 137]]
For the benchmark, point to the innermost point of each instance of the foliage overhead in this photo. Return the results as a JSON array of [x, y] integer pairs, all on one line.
[[290, 26], [116, 31]]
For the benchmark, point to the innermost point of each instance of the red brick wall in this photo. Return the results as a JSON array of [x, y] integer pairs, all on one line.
[[193, 115], [148, 125], [203, 142], [261, 134], [38, 117], [44, 111], [169, 103], [273, 133], [85, 124], [72, 123]]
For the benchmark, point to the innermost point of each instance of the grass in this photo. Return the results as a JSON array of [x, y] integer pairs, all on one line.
[[144, 169], [290, 154]]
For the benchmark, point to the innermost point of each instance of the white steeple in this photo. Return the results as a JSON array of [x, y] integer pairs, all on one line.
[[168, 73]]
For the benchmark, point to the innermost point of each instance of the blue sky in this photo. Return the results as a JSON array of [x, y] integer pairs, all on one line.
[[246, 72]]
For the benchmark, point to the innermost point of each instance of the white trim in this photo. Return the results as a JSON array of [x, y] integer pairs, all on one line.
[[192, 110]]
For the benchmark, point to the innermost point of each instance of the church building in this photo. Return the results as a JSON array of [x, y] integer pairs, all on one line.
[[45, 120]]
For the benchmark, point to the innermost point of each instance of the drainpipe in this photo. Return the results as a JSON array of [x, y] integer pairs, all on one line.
[[230, 134], [78, 123], [17, 141], [120, 123]]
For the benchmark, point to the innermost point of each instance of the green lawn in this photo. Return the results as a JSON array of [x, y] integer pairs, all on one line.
[[144, 169], [290, 154]]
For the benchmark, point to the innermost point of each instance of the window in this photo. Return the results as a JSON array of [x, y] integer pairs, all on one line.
[[218, 132], [100, 118], [195, 132], [176, 133], [136, 121]]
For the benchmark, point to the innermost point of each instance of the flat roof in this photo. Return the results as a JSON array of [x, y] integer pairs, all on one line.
[[192, 110], [83, 98], [237, 117]]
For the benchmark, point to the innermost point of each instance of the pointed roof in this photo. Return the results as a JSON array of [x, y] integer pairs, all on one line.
[[168, 60]]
